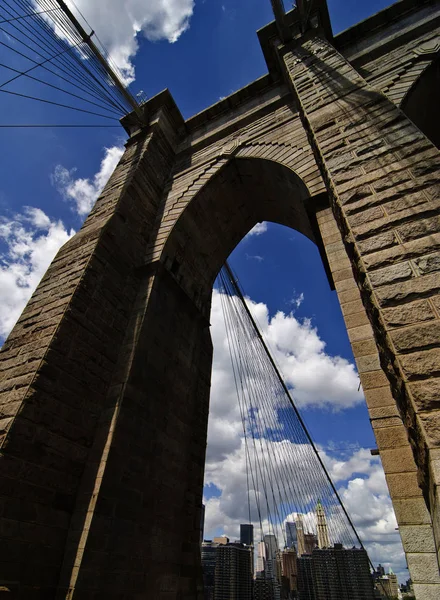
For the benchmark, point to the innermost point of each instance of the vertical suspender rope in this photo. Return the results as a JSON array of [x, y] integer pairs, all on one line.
[[286, 390]]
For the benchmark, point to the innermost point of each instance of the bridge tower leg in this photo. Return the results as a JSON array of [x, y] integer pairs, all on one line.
[[381, 174], [104, 397]]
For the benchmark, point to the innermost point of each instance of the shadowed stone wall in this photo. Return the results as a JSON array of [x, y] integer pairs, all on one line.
[[104, 381]]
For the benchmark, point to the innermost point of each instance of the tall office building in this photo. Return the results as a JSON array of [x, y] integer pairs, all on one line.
[[321, 519], [301, 549], [271, 556], [233, 572], [306, 586], [341, 574], [387, 584], [289, 580], [266, 589], [261, 557], [310, 542], [291, 537], [247, 534], [209, 554]]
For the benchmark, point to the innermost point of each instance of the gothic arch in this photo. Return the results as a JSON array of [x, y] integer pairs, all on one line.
[[243, 192]]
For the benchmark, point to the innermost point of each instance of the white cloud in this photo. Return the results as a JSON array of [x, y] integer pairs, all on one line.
[[297, 299], [83, 193], [256, 257], [119, 24], [315, 377], [258, 229], [31, 240]]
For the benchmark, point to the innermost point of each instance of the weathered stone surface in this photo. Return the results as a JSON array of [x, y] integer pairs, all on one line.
[[426, 394], [412, 511], [399, 460], [368, 363], [403, 485], [399, 252], [417, 337], [431, 425], [428, 264], [378, 397], [426, 285], [424, 566], [364, 348], [373, 379], [398, 272], [378, 242], [420, 228], [427, 591], [391, 437], [417, 538], [356, 320], [407, 314], [422, 364]]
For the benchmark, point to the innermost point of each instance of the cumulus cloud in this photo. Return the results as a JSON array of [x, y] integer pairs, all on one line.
[[258, 229], [119, 25], [30, 241], [83, 193], [316, 378]]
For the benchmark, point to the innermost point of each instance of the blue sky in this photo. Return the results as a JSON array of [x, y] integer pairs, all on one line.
[[58, 172]]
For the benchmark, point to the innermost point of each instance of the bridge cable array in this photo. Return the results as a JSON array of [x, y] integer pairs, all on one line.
[[45, 47], [286, 477]]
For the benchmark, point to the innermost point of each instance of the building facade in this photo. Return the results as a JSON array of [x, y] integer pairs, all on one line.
[[233, 572]]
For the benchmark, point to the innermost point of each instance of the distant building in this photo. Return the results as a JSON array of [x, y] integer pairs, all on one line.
[[321, 519], [271, 568], [233, 572], [247, 534], [306, 586], [209, 554], [261, 557], [289, 580], [387, 585], [266, 589], [310, 542], [223, 540], [291, 536], [341, 574], [301, 549]]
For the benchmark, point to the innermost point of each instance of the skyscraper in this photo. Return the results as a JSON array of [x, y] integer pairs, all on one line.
[[291, 537], [261, 557], [301, 549], [247, 534], [233, 572], [209, 553], [266, 589], [341, 574], [306, 586], [289, 571], [271, 559], [323, 538], [310, 542]]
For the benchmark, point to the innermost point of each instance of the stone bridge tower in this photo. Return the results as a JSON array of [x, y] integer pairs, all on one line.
[[105, 378]]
